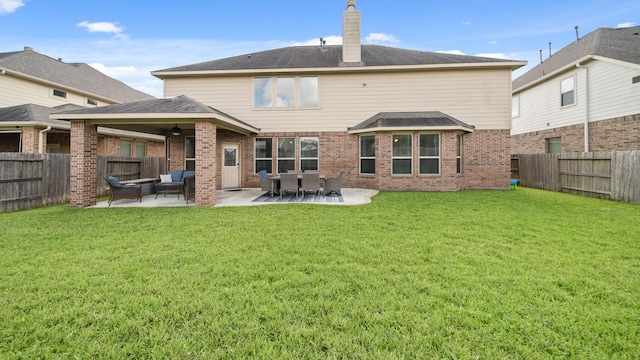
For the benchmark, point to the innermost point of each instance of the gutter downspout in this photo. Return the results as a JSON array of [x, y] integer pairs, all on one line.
[[41, 139], [586, 105]]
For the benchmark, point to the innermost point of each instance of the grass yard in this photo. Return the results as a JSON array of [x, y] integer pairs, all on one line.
[[522, 274]]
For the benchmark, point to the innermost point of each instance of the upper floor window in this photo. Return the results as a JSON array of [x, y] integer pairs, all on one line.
[[285, 92], [567, 92], [59, 93], [91, 101], [515, 106]]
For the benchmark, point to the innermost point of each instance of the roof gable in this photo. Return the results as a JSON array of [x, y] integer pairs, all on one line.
[[621, 44], [78, 76]]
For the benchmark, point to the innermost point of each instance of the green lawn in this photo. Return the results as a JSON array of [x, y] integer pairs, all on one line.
[[523, 274]]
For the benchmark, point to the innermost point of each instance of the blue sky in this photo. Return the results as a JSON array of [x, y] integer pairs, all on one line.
[[126, 39]]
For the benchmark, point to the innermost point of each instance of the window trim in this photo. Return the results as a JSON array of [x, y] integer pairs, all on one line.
[[317, 158], [273, 86], [58, 93], [574, 97], [409, 157], [367, 157], [438, 157], [295, 152], [255, 155]]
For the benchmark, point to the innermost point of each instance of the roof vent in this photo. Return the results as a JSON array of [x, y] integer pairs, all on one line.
[[28, 48]]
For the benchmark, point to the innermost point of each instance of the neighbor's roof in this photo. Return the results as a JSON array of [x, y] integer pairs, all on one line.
[[36, 114], [622, 44], [330, 56], [417, 120], [177, 107], [74, 76]]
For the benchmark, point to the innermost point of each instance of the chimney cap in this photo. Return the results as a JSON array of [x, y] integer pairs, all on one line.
[[351, 5]]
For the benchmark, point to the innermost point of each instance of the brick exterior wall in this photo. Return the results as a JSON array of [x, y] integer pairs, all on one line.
[[30, 142], [84, 164], [206, 161], [486, 161], [617, 134]]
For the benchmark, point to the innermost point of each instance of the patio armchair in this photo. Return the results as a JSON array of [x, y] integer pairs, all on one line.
[[119, 191], [310, 182], [289, 182], [269, 185], [334, 185]]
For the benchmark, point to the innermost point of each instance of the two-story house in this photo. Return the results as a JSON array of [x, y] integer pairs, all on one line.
[[393, 119], [34, 85], [585, 97]]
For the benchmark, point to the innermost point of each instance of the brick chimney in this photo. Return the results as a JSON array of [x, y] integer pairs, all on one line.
[[351, 34]]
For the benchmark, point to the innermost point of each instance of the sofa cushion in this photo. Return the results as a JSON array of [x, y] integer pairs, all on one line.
[[165, 178], [113, 180], [176, 175], [188, 173]]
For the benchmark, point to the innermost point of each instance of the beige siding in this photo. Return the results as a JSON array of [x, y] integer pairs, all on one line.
[[477, 97], [611, 93], [18, 91], [540, 105]]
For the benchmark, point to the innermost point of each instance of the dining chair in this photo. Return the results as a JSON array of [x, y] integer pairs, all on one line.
[[310, 182], [289, 182]]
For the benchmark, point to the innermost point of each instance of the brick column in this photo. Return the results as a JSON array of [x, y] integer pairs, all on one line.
[[205, 163], [84, 164]]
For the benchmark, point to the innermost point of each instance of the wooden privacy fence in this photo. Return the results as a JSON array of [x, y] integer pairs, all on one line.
[[609, 175], [33, 180]]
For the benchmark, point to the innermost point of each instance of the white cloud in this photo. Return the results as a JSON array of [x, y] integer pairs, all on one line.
[[493, 42], [466, 23], [627, 24], [120, 71], [453, 52], [329, 40], [9, 6], [493, 55], [380, 38], [105, 27]]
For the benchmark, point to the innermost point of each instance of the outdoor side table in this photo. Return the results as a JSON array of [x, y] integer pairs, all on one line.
[[169, 188]]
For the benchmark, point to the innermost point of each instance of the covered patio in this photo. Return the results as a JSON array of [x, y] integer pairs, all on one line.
[[174, 118]]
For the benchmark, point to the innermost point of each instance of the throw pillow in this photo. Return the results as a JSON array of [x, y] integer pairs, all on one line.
[[165, 178]]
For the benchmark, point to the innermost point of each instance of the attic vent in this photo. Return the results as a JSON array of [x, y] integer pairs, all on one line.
[[635, 79]]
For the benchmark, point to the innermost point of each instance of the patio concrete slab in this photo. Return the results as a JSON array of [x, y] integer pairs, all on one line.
[[241, 197]]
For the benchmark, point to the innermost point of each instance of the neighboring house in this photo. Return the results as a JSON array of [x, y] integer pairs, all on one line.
[[34, 85], [393, 119], [585, 97]]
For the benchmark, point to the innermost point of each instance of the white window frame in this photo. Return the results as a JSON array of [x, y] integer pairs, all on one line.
[[144, 144], [373, 136], [515, 106], [430, 157], [316, 158], [189, 159], [58, 93], [402, 157], [459, 145], [256, 158], [273, 102], [285, 138], [573, 90], [125, 141], [92, 102]]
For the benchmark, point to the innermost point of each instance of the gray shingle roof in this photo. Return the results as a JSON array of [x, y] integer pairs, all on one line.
[[33, 113], [415, 119], [74, 75], [330, 57], [621, 44]]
